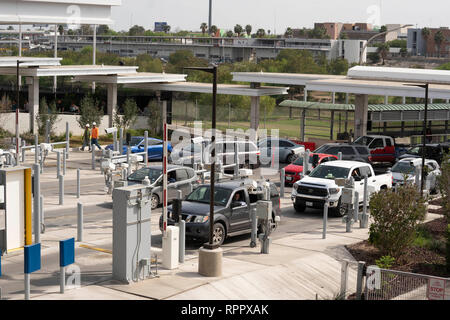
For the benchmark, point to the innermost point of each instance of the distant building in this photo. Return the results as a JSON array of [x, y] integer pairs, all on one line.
[[418, 45], [159, 26]]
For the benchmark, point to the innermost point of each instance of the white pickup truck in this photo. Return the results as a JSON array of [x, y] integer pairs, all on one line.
[[319, 185]]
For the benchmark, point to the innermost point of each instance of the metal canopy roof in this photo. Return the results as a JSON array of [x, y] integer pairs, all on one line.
[[198, 87], [28, 61], [298, 79], [382, 112], [78, 70], [139, 77]]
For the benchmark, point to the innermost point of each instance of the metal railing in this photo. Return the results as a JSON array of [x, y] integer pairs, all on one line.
[[433, 138]]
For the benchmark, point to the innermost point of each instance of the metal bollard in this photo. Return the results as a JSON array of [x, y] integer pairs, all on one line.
[[23, 151], [356, 207], [58, 164], [128, 158], [62, 279], [254, 233], [115, 141], [64, 161], [181, 252], [344, 279], [27, 286], [36, 149], [41, 211], [146, 148], [36, 204], [80, 222], [325, 220], [47, 131], [120, 140], [61, 190], [282, 177], [359, 280], [78, 183], [364, 222], [67, 140]]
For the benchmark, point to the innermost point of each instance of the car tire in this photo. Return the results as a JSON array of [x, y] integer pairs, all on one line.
[[154, 201], [299, 207], [339, 211], [219, 234], [290, 158]]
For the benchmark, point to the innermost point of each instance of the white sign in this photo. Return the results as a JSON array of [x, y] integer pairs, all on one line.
[[436, 289]]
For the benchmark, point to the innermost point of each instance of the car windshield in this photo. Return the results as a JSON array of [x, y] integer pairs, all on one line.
[[417, 151], [134, 141], [299, 161], [329, 172], [152, 173], [154, 142], [321, 149], [403, 167], [363, 141], [202, 194]]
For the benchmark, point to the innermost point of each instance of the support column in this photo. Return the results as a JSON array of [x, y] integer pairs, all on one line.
[[254, 113], [333, 97], [346, 97], [33, 101], [332, 126], [361, 114], [305, 94], [112, 103], [302, 125]]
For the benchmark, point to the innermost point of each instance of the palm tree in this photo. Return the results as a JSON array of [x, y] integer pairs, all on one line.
[[230, 34], [166, 28], [426, 35], [213, 30], [383, 51], [438, 39], [238, 29], [203, 26], [260, 33], [248, 29], [60, 30]]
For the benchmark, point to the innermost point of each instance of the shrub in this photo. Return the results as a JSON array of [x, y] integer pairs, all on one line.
[[396, 216], [130, 113], [385, 262], [89, 112], [47, 112]]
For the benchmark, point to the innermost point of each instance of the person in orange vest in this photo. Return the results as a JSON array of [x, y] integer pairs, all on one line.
[[94, 136]]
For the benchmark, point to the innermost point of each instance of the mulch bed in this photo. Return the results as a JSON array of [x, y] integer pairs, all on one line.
[[415, 259], [437, 202]]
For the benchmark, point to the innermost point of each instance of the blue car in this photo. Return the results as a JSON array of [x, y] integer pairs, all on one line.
[[137, 144]]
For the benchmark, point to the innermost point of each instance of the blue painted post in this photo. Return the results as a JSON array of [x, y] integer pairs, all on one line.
[[66, 257], [32, 263]]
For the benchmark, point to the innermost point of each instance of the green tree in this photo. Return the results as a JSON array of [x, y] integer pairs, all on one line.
[[396, 216], [213, 30], [166, 28], [130, 113], [10, 28], [89, 112], [426, 33], [103, 29], [238, 30], [248, 30], [136, 31], [85, 30], [47, 112], [204, 27], [61, 30], [383, 50], [338, 66], [230, 34], [318, 33], [438, 39], [383, 29], [154, 117], [343, 36], [260, 33], [288, 33]]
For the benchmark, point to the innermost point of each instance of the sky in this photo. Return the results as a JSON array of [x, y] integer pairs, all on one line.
[[277, 15]]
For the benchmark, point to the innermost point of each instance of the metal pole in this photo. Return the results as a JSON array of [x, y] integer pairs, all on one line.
[[47, 131], [36, 149], [236, 159], [344, 278], [182, 240], [62, 279], [67, 140], [93, 156], [282, 177], [80, 222], [146, 148], [254, 228], [41, 211], [213, 160], [121, 140], [23, 150], [27, 286], [58, 164], [129, 158], [36, 204], [424, 140], [115, 140], [325, 219], [356, 207], [17, 135], [363, 223], [359, 280], [64, 161], [78, 183], [61, 190], [164, 166]]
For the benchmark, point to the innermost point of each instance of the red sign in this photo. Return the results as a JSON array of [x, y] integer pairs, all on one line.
[[436, 289]]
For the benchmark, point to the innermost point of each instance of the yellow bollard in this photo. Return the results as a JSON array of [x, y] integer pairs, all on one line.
[[28, 210]]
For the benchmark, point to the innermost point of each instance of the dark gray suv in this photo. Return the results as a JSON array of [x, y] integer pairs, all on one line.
[[349, 152]]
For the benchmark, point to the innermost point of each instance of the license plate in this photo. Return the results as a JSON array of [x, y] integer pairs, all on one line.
[[309, 204], [289, 178]]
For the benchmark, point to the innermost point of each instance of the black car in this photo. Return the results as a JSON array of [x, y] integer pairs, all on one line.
[[231, 215], [349, 151], [433, 151]]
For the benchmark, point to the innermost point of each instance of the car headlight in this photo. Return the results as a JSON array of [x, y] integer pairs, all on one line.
[[334, 190], [200, 219], [295, 186]]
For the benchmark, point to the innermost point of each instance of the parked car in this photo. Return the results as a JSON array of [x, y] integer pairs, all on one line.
[[247, 152], [382, 148], [292, 172], [349, 151], [433, 151], [179, 178], [405, 170], [313, 190], [231, 217], [187, 154], [137, 145], [287, 150]]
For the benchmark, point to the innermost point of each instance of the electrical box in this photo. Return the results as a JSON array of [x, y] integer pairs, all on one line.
[[131, 233], [264, 210], [170, 248], [348, 196]]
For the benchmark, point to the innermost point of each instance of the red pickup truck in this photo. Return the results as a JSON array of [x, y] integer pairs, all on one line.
[[292, 171], [382, 148]]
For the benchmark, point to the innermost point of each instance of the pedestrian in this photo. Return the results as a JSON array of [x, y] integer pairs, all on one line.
[[86, 138], [94, 137]]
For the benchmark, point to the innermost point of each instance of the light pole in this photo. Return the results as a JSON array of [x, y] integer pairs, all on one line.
[[17, 110], [213, 70], [425, 86], [379, 35]]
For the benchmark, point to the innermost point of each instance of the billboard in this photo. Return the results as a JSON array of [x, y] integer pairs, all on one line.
[[159, 26]]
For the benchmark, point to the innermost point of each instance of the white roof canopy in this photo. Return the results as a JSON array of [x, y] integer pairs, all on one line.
[[198, 87], [71, 12], [28, 61], [298, 79], [139, 77], [80, 70]]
